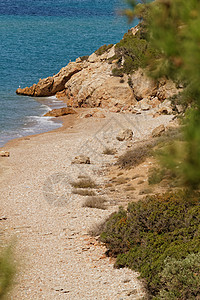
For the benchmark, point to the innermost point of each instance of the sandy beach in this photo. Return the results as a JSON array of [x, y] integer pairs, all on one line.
[[57, 258]]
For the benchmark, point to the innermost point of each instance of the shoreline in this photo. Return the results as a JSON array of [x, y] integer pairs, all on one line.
[[58, 259], [41, 124]]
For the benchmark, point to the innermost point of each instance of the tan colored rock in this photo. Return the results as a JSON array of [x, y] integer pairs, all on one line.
[[81, 159], [98, 114], [166, 90], [93, 58], [158, 131], [95, 87], [61, 95], [155, 102], [165, 110], [4, 153], [126, 135], [58, 112], [51, 85], [143, 86], [26, 91]]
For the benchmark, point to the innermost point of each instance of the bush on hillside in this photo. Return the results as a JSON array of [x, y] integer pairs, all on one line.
[[136, 52], [181, 278], [103, 49], [149, 231]]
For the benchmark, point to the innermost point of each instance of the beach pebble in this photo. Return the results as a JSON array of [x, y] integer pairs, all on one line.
[[81, 159], [125, 135], [4, 153], [158, 131]]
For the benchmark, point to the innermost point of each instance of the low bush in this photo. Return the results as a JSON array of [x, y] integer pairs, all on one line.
[[103, 49], [181, 278], [84, 183], [133, 158], [136, 52], [85, 57], [95, 202], [149, 231], [109, 151]]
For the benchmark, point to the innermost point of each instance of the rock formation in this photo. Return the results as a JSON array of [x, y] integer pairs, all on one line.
[[89, 82], [58, 112]]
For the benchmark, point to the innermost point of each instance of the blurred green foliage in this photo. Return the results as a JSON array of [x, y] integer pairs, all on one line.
[[172, 29], [7, 270]]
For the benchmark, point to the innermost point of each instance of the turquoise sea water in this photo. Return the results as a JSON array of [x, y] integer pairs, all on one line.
[[38, 38]]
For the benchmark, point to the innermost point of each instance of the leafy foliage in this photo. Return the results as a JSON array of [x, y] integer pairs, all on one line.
[[7, 271], [181, 278], [103, 49], [151, 230], [135, 51]]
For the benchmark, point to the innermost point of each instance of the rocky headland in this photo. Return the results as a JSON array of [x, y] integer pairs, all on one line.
[[92, 81]]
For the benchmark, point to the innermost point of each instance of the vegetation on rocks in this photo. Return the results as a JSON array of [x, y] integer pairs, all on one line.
[[103, 49], [133, 52]]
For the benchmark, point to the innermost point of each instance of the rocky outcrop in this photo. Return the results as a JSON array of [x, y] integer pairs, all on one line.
[[96, 87], [58, 112], [51, 85], [89, 82]]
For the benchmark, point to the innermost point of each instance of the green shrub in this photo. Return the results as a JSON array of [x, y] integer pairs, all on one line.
[[103, 49], [181, 278], [136, 52], [85, 57], [118, 72], [151, 230]]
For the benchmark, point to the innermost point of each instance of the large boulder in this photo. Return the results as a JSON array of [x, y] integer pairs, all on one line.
[[166, 89], [143, 86]]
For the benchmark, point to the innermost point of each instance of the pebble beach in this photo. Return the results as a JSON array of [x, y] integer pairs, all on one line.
[[56, 256]]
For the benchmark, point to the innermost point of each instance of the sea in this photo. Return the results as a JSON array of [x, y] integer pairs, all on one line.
[[37, 39]]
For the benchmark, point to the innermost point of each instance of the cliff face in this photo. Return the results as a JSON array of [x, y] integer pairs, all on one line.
[[89, 82]]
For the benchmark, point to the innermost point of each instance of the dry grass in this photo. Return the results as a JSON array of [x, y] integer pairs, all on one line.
[[129, 188], [136, 156], [145, 191], [95, 202], [83, 192], [121, 180], [84, 183], [109, 151]]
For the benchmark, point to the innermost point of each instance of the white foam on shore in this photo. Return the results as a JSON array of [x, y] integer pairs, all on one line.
[[36, 124]]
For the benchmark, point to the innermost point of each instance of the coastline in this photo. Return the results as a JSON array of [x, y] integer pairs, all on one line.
[[52, 234]]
